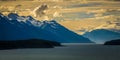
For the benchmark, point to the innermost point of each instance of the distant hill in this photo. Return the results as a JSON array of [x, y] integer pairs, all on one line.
[[101, 35], [113, 42], [31, 43]]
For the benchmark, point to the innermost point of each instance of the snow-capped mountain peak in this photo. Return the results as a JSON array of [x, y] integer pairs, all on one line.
[[15, 27]]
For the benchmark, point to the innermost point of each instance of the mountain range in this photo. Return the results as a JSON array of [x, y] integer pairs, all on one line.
[[102, 35], [15, 27]]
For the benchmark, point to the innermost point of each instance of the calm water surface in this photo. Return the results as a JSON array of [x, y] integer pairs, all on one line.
[[68, 52]]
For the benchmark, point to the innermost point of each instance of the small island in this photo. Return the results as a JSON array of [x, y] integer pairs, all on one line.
[[113, 42], [30, 43]]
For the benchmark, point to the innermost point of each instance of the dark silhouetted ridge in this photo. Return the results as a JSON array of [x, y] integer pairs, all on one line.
[[113, 42], [31, 43]]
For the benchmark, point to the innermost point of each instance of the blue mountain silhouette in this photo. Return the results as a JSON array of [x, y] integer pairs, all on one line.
[[102, 35], [15, 27]]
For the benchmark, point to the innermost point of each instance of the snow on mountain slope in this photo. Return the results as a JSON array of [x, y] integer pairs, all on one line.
[[14, 27]]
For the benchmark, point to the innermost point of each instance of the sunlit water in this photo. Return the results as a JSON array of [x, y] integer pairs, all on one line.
[[67, 52]]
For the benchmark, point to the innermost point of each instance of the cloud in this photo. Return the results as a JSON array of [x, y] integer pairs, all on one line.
[[103, 0], [87, 4], [40, 10], [57, 14], [97, 11], [98, 15], [104, 12], [113, 10], [113, 0]]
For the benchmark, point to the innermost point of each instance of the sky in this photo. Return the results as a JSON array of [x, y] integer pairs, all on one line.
[[76, 15]]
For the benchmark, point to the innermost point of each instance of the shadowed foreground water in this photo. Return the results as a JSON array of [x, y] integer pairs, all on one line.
[[68, 52]]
